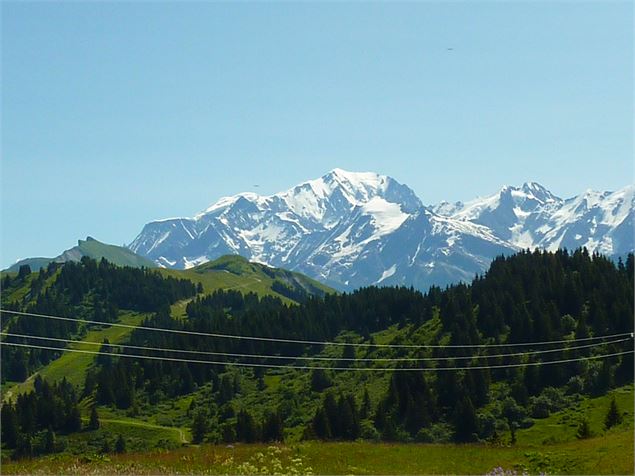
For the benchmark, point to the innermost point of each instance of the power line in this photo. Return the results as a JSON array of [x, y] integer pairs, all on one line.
[[312, 342], [310, 367], [355, 359]]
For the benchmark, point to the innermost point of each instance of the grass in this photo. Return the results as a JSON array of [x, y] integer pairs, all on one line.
[[73, 365], [562, 426], [609, 454], [115, 254], [236, 272]]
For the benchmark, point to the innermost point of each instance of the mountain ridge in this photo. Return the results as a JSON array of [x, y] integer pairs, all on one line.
[[92, 248], [351, 229]]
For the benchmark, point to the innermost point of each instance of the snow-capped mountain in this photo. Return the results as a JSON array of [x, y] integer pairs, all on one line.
[[532, 217], [353, 229]]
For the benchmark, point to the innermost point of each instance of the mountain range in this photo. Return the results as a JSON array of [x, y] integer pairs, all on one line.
[[352, 229]]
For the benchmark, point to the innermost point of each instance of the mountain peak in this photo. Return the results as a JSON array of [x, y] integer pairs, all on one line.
[[529, 191], [541, 193]]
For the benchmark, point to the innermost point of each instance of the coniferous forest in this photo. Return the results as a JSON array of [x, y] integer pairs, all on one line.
[[470, 383]]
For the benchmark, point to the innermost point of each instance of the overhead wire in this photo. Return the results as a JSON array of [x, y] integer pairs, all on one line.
[[311, 367], [310, 358], [314, 342]]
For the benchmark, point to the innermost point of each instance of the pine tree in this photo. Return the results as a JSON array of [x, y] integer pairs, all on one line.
[[366, 406], [199, 427], [389, 432], [348, 356], [49, 441], [105, 447], [613, 416], [73, 420], [24, 271], [120, 445], [246, 429], [320, 380], [273, 428], [9, 425], [465, 423], [584, 430], [94, 424], [320, 425], [24, 446]]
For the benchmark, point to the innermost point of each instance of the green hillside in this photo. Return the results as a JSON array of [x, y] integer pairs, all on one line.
[[522, 414], [233, 272], [93, 249], [226, 273]]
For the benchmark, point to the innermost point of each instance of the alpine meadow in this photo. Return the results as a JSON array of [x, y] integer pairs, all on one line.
[[380, 284]]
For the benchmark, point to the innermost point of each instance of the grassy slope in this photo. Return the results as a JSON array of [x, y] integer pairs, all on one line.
[[230, 272], [73, 365], [236, 272], [561, 427], [115, 254]]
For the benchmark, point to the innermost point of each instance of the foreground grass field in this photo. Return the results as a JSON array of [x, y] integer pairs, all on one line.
[[549, 446], [609, 454]]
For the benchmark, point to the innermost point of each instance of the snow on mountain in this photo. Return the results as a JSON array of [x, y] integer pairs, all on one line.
[[287, 228], [532, 217], [352, 229]]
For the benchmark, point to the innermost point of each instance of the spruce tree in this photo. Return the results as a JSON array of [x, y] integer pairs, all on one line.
[[9, 426], [320, 380], [348, 356], [199, 427], [94, 424], [49, 441], [273, 427], [366, 406], [584, 430], [120, 445], [24, 271], [613, 416], [465, 423], [73, 420], [320, 425], [246, 429], [105, 447]]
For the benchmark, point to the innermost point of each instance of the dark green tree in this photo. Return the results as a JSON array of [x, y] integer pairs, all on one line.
[[613, 416], [273, 427], [24, 271], [246, 429], [93, 423], [199, 427], [9, 425], [73, 420], [49, 441], [320, 380], [465, 421], [320, 425], [120, 445], [364, 411], [584, 430]]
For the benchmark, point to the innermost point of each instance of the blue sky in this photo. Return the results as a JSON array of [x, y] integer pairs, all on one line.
[[114, 114]]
